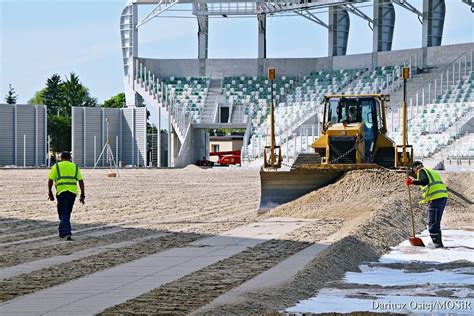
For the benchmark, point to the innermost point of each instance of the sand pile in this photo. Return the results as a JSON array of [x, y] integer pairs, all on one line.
[[359, 193], [461, 182], [460, 209], [192, 167], [356, 194]]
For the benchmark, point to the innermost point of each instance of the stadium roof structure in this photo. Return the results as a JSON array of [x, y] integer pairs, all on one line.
[[382, 21]]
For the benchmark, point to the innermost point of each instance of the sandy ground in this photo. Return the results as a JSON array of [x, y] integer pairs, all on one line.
[[372, 207], [193, 203]]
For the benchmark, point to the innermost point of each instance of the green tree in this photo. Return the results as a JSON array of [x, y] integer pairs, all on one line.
[[59, 127], [59, 96], [117, 101], [38, 98], [53, 96], [11, 97], [75, 94]]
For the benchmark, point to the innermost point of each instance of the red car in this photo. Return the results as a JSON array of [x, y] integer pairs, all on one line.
[[227, 157]]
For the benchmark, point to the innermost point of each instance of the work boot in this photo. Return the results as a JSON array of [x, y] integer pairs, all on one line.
[[68, 237], [440, 241], [437, 242]]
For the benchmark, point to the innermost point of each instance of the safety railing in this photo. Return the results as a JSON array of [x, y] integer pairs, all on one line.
[[441, 81]]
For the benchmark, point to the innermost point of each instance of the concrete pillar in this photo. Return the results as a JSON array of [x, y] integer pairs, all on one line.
[[384, 24], [339, 24], [203, 36], [262, 36], [132, 51], [173, 147], [433, 22], [169, 139]]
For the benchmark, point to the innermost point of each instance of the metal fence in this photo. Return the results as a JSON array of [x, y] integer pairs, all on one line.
[[23, 135], [124, 129]]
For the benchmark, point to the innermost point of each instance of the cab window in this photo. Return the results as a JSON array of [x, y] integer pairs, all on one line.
[[333, 111], [367, 115]]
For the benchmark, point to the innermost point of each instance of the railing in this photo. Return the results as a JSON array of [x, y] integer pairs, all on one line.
[[456, 128], [152, 85], [219, 8], [441, 80]]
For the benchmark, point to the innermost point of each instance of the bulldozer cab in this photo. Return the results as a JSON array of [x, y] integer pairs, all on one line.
[[350, 110], [363, 113]]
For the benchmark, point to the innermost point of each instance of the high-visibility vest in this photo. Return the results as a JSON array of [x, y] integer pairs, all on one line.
[[68, 173], [435, 189]]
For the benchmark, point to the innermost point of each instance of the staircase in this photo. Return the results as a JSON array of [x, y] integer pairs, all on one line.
[[214, 96], [146, 84], [148, 96]]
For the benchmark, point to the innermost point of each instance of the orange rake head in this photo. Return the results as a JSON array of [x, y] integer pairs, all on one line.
[[416, 242]]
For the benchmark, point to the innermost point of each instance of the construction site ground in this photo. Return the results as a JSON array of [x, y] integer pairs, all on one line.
[[190, 241]]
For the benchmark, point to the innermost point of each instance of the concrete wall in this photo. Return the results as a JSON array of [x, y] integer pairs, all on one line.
[[193, 148], [445, 54], [23, 135], [218, 68]]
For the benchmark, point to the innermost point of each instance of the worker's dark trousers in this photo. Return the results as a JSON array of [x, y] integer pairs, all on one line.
[[65, 204], [435, 213]]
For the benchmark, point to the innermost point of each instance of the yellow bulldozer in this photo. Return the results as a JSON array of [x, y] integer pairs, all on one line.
[[353, 136]]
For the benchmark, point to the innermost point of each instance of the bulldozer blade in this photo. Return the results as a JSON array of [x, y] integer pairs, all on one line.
[[279, 187]]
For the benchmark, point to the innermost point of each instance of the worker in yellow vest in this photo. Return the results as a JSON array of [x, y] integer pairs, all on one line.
[[65, 175], [435, 193]]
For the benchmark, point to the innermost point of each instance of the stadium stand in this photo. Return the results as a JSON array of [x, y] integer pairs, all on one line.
[[461, 91], [189, 93], [461, 148], [436, 125], [302, 102], [377, 81], [431, 126], [244, 90]]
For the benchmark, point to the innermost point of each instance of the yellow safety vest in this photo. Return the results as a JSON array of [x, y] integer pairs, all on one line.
[[67, 175], [435, 188]]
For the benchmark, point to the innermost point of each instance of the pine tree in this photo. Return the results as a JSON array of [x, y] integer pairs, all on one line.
[[75, 94], [53, 96], [11, 97]]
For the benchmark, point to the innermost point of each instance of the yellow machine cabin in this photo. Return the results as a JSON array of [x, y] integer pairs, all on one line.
[[354, 134]]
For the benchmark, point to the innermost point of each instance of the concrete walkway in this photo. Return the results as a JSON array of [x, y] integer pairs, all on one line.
[[98, 291], [273, 277], [29, 267]]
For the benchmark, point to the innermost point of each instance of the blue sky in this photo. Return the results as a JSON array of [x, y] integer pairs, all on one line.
[[39, 38]]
